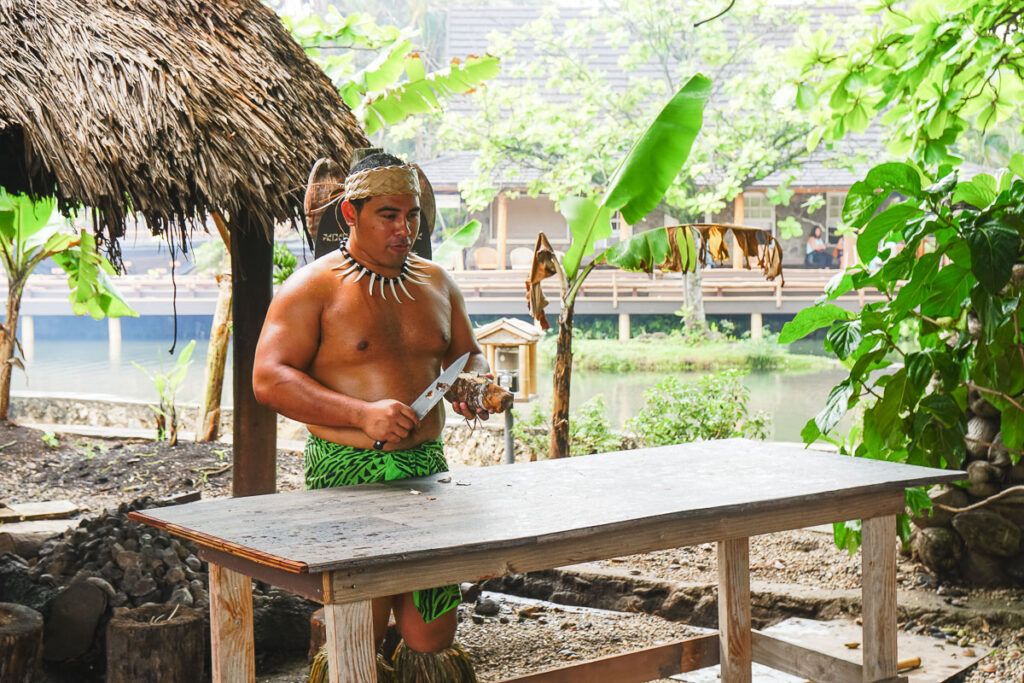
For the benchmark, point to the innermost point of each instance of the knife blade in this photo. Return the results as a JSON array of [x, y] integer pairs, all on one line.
[[434, 392]]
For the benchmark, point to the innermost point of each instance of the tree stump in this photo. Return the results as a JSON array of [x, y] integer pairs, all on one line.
[[21, 642], [156, 644]]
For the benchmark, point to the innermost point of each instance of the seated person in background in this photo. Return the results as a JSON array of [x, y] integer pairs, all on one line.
[[817, 257]]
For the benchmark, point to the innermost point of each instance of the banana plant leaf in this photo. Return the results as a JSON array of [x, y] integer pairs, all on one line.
[[463, 238], [640, 182], [422, 95], [647, 172], [669, 249], [92, 290], [22, 217]]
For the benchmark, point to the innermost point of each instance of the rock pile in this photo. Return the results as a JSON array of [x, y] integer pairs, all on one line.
[[109, 562], [976, 533]]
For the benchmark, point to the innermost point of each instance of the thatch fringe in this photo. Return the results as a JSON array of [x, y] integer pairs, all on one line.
[[166, 108], [318, 672]]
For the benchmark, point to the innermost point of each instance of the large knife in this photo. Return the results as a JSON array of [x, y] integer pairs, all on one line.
[[434, 392]]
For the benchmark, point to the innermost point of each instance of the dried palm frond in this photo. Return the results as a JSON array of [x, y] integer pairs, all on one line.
[[448, 666], [318, 671]]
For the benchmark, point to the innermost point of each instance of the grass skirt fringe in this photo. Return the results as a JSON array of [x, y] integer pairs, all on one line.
[[318, 671], [448, 666]]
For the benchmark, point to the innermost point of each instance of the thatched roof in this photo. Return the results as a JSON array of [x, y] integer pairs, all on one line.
[[168, 108]]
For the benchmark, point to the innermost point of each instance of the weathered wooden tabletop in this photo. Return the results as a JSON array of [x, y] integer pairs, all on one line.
[[530, 504]]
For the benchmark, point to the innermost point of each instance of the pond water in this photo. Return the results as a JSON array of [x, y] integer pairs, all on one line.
[[84, 366]]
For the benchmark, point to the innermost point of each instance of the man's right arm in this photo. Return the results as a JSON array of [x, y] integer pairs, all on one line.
[[284, 353]]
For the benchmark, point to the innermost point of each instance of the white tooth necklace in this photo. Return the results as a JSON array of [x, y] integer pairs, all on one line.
[[413, 270]]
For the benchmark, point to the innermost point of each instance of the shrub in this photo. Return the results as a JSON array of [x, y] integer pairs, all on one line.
[[713, 407], [589, 429]]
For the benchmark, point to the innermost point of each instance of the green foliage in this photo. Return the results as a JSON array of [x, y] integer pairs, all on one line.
[[930, 70], [166, 384], [395, 84], [713, 407], [561, 115], [459, 239], [50, 439], [284, 263], [589, 429]]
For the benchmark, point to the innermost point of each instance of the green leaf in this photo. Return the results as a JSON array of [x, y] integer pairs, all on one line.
[[463, 238], [646, 173], [806, 97], [895, 216], [835, 406], [844, 337], [950, 288], [810, 319], [1012, 428], [588, 224], [979, 191], [918, 287], [994, 249], [669, 248], [1017, 164], [865, 196]]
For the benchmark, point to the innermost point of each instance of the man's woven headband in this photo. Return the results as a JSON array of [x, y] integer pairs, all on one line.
[[385, 180]]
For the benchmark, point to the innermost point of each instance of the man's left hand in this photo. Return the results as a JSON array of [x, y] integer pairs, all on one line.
[[463, 409]]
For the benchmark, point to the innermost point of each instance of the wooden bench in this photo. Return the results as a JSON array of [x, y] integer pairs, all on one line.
[[345, 546]]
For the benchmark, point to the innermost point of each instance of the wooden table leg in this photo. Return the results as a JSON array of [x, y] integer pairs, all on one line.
[[350, 650], [878, 577], [734, 610], [232, 644]]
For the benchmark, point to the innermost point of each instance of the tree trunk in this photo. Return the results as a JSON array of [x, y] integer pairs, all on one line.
[[148, 645], [21, 643], [216, 359], [693, 295], [560, 393], [8, 348]]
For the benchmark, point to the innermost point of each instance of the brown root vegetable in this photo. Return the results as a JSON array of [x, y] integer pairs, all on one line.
[[479, 393]]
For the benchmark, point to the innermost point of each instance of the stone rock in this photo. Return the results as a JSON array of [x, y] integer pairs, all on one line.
[[979, 406], [487, 608], [193, 563], [144, 586], [1015, 567], [1017, 472], [982, 491], [988, 533], [938, 548], [1011, 507], [952, 496], [181, 596], [981, 569], [981, 432], [998, 455], [127, 560], [982, 472], [174, 576]]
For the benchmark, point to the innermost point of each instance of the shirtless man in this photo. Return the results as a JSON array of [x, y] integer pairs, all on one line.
[[349, 342]]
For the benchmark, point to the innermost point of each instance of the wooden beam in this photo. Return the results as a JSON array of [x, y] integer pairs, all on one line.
[[309, 586], [231, 635], [803, 662], [501, 224], [350, 650], [878, 577], [402, 576], [649, 664], [255, 426], [734, 610]]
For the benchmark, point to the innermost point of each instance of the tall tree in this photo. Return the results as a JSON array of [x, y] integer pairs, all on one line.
[[946, 251], [557, 110]]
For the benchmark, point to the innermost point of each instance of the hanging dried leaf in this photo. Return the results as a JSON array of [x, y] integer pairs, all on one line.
[[544, 265], [756, 243]]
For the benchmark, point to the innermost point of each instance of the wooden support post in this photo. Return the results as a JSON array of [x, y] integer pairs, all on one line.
[[350, 652], [533, 370], [734, 610], [501, 223], [737, 219], [231, 635], [756, 326], [255, 426], [28, 337], [524, 372], [878, 576], [114, 339], [624, 327]]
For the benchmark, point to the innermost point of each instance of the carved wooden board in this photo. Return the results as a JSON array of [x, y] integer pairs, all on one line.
[[520, 506]]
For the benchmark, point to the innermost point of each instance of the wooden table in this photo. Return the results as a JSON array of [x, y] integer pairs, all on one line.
[[343, 547]]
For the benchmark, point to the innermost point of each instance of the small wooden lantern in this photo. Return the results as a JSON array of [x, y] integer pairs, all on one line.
[[510, 345]]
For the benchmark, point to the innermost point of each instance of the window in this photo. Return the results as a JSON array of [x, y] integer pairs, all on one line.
[[758, 212], [834, 214]]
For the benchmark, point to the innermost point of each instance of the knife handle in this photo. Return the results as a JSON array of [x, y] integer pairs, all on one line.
[[378, 445]]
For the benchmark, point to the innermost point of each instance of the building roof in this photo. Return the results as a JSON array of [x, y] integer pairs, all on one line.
[[509, 331]]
